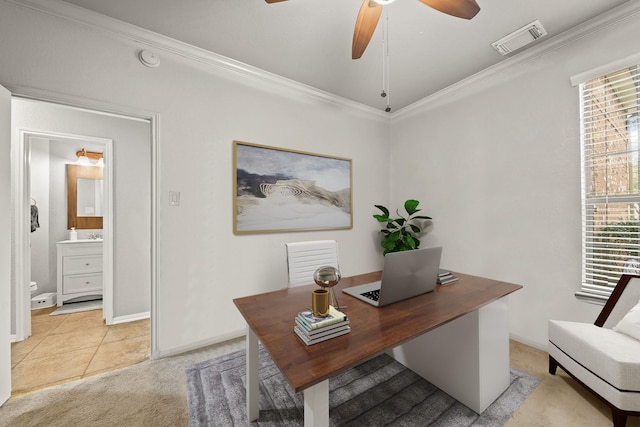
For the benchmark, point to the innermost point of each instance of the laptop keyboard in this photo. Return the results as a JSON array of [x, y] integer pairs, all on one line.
[[372, 295]]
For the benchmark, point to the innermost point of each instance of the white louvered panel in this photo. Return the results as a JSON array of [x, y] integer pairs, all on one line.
[[610, 180], [304, 258]]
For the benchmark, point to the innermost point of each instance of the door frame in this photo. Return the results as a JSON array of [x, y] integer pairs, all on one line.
[[22, 261], [5, 247], [125, 112]]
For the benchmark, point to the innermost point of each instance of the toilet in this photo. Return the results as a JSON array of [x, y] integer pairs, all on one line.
[[43, 300]]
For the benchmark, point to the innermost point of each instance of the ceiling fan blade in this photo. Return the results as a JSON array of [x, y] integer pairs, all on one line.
[[366, 23], [274, 1], [466, 9]]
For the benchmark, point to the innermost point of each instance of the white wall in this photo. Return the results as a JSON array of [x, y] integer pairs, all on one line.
[[202, 109], [41, 265], [497, 164]]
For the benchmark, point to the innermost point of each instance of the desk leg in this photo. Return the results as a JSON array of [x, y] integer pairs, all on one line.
[[467, 358], [316, 405], [253, 409]]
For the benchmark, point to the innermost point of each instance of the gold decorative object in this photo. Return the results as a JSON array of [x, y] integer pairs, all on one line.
[[320, 302]]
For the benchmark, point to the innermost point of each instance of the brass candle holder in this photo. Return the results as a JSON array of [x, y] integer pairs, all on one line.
[[320, 302]]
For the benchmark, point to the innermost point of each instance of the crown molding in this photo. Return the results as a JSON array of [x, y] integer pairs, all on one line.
[[628, 10], [183, 51]]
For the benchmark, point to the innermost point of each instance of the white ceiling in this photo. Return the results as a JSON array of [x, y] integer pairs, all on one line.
[[309, 41]]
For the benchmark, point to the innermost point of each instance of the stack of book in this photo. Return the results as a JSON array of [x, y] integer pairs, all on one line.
[[445, 277], [312, 330]]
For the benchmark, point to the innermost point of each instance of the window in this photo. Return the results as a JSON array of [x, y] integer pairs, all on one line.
[[610, 192]]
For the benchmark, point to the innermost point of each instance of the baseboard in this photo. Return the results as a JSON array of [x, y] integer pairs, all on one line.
[[200, 344], [528, 342], [12, 338], [131, 317]]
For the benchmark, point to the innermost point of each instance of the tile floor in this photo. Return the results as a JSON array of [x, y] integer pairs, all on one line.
[[69, 347]]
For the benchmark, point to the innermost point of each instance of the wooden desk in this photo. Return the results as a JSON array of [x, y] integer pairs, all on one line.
[[270, 319]]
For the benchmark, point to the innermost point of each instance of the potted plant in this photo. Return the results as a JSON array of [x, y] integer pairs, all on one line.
[[401, 234]]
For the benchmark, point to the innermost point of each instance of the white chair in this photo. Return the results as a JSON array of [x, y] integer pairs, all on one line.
[[304, 258], [605, 361]]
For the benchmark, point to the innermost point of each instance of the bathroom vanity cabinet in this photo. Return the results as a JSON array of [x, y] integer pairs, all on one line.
[[79, 269]]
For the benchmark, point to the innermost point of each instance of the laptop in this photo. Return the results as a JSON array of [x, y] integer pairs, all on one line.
[[405, 275]]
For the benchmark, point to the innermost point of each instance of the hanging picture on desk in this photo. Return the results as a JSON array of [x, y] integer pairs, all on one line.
[[284, 190]]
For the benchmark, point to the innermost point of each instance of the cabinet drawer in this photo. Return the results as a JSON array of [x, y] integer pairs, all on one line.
[[85, 248], [82, 283], [81, 264]]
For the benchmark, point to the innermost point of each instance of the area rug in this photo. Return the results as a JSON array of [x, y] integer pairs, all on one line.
[[77, 307], [378, 392]]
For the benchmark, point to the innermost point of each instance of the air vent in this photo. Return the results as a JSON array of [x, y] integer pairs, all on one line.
[[520, 38]]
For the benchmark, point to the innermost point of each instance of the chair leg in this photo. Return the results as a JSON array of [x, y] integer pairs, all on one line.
[[553, 365], [619, 417]]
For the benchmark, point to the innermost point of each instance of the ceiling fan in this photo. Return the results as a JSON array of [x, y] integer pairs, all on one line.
[[371, 10]]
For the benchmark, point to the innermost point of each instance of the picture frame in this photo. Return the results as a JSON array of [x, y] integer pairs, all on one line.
[[282, 190]]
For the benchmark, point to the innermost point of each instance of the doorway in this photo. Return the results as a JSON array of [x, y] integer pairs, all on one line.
[[43, 186], [129, 166]]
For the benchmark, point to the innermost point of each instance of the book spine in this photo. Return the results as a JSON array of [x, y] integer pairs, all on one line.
[[447, 281], [308, 341], [322, 323], [312, 332], [325, 334]]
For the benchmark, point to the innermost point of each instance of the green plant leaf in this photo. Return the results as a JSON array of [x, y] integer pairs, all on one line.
[[388, 244], [383, 218], [415, 228], [411, 206], [421, 217], [383, 209], [410, 241]]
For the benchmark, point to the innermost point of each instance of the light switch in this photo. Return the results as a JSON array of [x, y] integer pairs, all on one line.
[[174, 198]]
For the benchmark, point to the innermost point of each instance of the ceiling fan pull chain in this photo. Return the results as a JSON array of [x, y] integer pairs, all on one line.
[[385, 59], [384, 66]]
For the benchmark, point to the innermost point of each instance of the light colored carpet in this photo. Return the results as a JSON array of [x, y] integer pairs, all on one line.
[[77, 307], [378, 392], [151, 393]]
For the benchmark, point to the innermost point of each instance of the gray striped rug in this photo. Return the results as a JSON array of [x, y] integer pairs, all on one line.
[[379, 392]]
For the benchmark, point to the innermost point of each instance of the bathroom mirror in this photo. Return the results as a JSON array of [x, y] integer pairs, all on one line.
[[84, 197]]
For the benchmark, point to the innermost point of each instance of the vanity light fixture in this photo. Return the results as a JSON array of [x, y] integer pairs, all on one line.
[[85, 156]]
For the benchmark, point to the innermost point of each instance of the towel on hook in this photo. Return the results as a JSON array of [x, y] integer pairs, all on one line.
[[34, 218]]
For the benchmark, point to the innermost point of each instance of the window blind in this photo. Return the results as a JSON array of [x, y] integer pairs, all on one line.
[[610, 184]]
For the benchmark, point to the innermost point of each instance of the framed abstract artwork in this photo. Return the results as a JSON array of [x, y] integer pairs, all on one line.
[[278, 190]]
